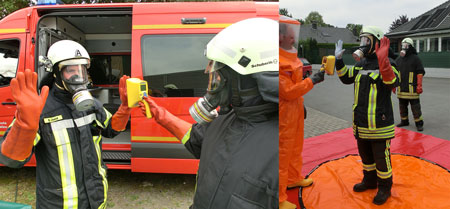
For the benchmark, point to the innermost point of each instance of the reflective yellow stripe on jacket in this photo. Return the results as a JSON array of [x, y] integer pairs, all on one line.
[[377, 133], [101, 170], [342, 72], [86, 120], [408, 95], [358, 77], [411, 80], [186, 136], [371, 110], [66, 164], [104, 124]]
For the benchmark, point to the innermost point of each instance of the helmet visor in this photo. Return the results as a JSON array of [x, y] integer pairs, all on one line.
[[74, 74], [289, 33], [405, 45], [365, 41], [215, 81]]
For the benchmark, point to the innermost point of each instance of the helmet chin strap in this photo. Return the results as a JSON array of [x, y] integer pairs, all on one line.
[[58, 82]]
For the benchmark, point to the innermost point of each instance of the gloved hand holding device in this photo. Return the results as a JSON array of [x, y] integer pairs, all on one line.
[[172, 123]]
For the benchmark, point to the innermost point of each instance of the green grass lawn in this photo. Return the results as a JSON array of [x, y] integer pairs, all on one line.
[[126, 189]]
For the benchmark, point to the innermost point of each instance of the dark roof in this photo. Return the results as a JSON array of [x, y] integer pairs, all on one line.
[[436, 19], [327, 34]]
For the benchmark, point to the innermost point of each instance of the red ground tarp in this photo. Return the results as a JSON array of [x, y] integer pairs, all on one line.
[[321, 149]]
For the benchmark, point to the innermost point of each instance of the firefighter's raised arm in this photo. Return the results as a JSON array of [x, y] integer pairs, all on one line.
[[18, 143]]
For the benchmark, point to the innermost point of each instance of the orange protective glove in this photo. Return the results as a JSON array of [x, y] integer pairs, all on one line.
[[419, 83], [19, 141], [120, 118], [382, 52], [172, 123]]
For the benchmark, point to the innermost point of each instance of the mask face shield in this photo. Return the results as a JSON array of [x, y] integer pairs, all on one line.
[[289, 32], [365, 41], [75, 80], [74, 75], [365, 46], [204, 110], [215, 81], [405, 47]]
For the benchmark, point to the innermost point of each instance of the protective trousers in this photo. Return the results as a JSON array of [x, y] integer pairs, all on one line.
[[291, 91], [376, 159], [415, 108], [290, 157]]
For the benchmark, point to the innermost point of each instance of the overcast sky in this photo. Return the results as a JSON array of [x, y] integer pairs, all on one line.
[[379, 13]]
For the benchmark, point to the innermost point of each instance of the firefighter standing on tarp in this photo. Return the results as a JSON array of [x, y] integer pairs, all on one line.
[[374, 77]]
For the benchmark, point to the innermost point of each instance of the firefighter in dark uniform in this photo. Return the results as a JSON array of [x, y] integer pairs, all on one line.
[[374, 76], [411, 76], [63, 127], [238, 146]]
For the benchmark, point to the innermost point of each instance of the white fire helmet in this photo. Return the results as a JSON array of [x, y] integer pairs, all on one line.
[[248, 46]]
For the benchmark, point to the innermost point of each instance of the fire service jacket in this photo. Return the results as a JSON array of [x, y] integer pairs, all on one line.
[[373, 117], [238, 155], [409, 67], [70, 172]]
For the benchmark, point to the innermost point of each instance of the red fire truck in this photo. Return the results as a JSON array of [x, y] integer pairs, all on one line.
[[162, 43]]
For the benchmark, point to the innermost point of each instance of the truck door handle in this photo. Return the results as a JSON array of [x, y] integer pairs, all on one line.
[[8, 103]]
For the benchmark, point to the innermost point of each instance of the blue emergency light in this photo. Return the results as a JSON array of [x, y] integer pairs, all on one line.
[[49, 2]]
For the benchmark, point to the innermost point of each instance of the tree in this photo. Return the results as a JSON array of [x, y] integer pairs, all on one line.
[[9, 6], [355, 28], [315, 17], [399, 21], [285, 12]]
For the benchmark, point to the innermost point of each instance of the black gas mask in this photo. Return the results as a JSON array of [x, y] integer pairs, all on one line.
[[218, 94], [228, 89]]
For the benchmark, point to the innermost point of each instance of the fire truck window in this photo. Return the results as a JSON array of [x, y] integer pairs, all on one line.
[[178, 60], [108, 69], [9, 59]]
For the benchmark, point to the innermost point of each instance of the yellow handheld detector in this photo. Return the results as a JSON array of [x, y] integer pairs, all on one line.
[[328, 64], [136, 91]]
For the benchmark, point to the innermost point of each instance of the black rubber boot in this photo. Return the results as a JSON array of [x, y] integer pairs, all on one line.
[[419, 125], [369, 182], [384, 191], [403, 123]]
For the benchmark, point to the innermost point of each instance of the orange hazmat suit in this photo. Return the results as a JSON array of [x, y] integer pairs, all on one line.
[[292, 87]]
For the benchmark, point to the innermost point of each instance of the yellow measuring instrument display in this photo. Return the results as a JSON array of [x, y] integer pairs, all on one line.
[[328, 64], [137, 89]]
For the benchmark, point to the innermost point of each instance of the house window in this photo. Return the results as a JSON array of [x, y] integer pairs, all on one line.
[[434, 44], [446, 44], [394, 46], [422, 45]]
